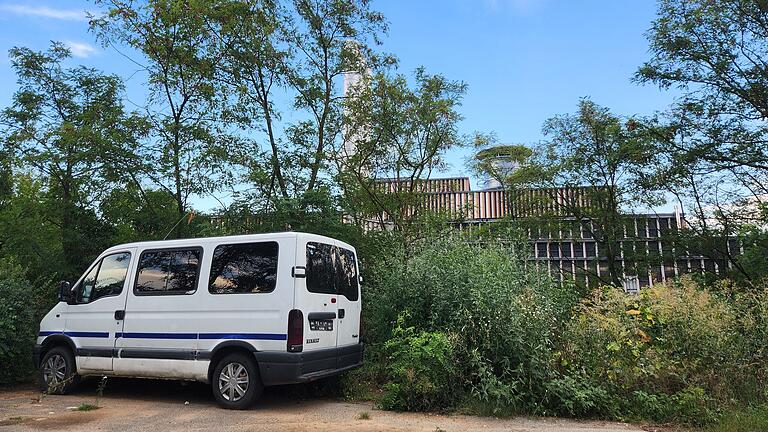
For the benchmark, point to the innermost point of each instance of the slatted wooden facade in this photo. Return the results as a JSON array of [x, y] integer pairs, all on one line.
[[571, 252]]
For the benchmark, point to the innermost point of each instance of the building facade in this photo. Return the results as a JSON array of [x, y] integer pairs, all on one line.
[[648, 252]]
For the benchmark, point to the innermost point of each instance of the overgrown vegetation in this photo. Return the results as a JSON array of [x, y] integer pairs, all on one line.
[[463, 324]]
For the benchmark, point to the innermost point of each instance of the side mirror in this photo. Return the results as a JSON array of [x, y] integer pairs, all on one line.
[[360, 280], [65, 291]]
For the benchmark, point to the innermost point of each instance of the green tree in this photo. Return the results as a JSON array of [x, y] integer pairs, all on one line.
[[714, 141], [605, 157], [319, 33], [188, 146], [399, 135], [503, 164], [67, 126]]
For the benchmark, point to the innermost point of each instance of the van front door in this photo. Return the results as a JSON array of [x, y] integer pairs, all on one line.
[[94, 317], [315, 296]]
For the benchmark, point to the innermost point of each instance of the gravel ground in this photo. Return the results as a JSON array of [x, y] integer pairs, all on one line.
[[141, 405]]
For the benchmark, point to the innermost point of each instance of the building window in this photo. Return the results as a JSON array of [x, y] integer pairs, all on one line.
[[244, 268]]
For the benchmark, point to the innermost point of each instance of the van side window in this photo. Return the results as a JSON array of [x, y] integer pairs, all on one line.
[[331, 270], [321, 268], [243, 268], [105, 278], [347, 274], [172, 271]]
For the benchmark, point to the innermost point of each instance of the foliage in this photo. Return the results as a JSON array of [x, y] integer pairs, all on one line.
[[675, 352], [712, 142], [185, 105], [604, 157], [749, 419], [18, 326], [67, 126], [507, 165], [521, 343], [396, 135], [504, 319], [420, 370]]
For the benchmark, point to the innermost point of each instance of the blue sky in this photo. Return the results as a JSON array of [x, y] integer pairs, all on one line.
[[523, 60]]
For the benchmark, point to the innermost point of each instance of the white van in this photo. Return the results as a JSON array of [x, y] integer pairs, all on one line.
[[237, 312]]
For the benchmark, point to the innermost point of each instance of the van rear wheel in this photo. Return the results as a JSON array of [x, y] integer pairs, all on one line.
[[236, 382]]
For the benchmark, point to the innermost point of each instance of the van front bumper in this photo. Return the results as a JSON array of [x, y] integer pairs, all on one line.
[[278, 368]]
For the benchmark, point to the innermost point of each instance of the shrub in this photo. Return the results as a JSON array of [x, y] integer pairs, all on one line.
[[749, 419], [18, 325], [682, 352], [420, 370], [669, 354], [506, 318]]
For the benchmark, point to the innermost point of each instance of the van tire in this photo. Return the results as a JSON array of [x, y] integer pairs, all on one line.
[[227, 385], [58, 372]]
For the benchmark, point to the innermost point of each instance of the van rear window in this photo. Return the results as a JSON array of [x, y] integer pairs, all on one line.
[[321, 268], [172, 271], [244, 268], [331, 270], [347, 274]]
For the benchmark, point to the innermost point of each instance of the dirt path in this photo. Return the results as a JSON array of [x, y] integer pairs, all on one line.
[[156, 406]]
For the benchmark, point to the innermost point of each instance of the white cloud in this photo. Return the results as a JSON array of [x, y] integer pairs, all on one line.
[[45, 12], [80, 49]]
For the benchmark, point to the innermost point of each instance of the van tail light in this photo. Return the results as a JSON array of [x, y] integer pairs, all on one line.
[[360, 333], [295, 331]]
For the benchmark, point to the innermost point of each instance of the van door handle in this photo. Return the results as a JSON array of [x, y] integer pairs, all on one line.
[[341, 313], [120, 315]]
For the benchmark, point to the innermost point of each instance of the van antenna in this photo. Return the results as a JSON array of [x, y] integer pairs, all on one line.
[[176, 224]]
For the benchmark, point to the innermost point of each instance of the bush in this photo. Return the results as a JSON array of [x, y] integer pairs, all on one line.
[[673, 353], [420, 370], [506, 319], [517, 342], [18, 324], [750, 419]]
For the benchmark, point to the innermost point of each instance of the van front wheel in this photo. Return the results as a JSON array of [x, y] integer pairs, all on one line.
[[236, 382], [57, 371]]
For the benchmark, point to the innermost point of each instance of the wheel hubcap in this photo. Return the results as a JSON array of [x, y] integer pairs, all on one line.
[[55, 370], [233, 382]]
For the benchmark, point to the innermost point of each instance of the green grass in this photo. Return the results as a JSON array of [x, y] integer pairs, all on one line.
[[86, 407], [751, 419], [364, 416]]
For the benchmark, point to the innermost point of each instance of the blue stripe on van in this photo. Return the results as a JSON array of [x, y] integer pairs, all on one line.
[[243, 336], [259, 336], [87, 334], [76, 334], [156, 335]]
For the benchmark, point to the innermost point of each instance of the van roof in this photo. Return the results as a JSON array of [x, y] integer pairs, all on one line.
[[235, 238]]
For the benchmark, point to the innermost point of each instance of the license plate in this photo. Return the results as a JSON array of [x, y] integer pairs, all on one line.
[[321, 325]]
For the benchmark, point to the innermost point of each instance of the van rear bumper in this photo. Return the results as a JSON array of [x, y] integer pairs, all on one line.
[[278, 368]]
